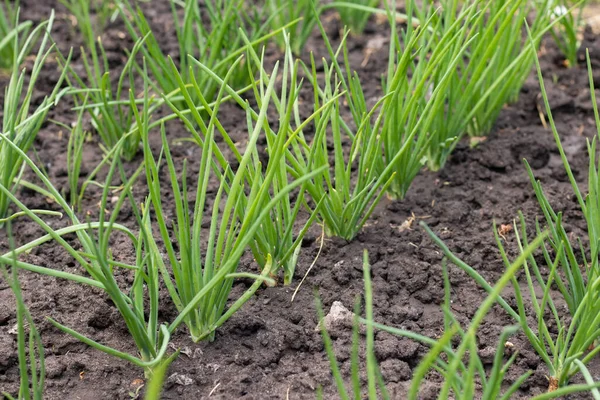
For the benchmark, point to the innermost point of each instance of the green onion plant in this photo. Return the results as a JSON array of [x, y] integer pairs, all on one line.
[[575, 345], [568, 32], [464, 374], [97, 14], [10, 32], [299, 16], [353, 183], [355, 13], [107, 103], [77, 139], [418, 79], [202, 280], [139, 305], [30, 350], [276, 238], [21, 122], [461, 72], [216, 45]]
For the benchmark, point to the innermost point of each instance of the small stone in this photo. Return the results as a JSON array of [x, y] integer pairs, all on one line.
[[338, 317], [180, 379]]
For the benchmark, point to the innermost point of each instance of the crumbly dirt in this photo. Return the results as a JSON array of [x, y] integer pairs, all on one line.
[[269, 349]]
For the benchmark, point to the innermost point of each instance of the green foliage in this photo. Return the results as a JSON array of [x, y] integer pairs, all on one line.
[[351, 186], [102, 10], [30, 350], [374, 378], [461, 73], [275, 239], [216, 45], [566, 353], [106, 103], [465, 376], [202, 282], [567, 32], [276, 236], [298, 16], [12, 50], [21, 122], [355, 13]]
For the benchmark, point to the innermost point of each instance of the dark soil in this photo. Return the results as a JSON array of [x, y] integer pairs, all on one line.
[[269, 349]]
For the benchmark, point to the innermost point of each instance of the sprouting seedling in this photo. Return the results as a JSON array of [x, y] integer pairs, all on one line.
[[95, 258], [216, 46], [30, 350], [355, 13], [465, 376], [11, 33], [21, 122], [276, 236], [568, 32], [201, 280]]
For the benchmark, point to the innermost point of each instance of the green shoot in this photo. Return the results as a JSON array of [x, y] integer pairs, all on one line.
[[108, 107], [155, 386], [349, 190], [138, 306], [11, 53], [418, 78], [19, 123], [216, 45], [576, 343], [77, 138], [568, 32], [275, 238], [32, 369], [465, 376], [355, 13], [201, 283], [374, 378], [103, 10], [301, 14], [459, 74]]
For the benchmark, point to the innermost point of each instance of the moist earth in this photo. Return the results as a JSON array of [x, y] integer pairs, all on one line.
[[270, 349]]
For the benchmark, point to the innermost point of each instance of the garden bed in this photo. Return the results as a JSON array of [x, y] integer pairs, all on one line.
[[270, 348]]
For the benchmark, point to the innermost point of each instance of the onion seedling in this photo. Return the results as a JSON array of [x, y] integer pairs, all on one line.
[[108, 106], [355, 13], [103, 10], [20, 122], [375, 384], [30, 350], [460, 72], [138, 306], [568, 33], [10, 31], [360, 178], [344, 203], [216, 45], [418, 79], [301, 14], [202, 280], [275, 238], [77, 138], [465, 375], [576, 342], [566, 353]]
